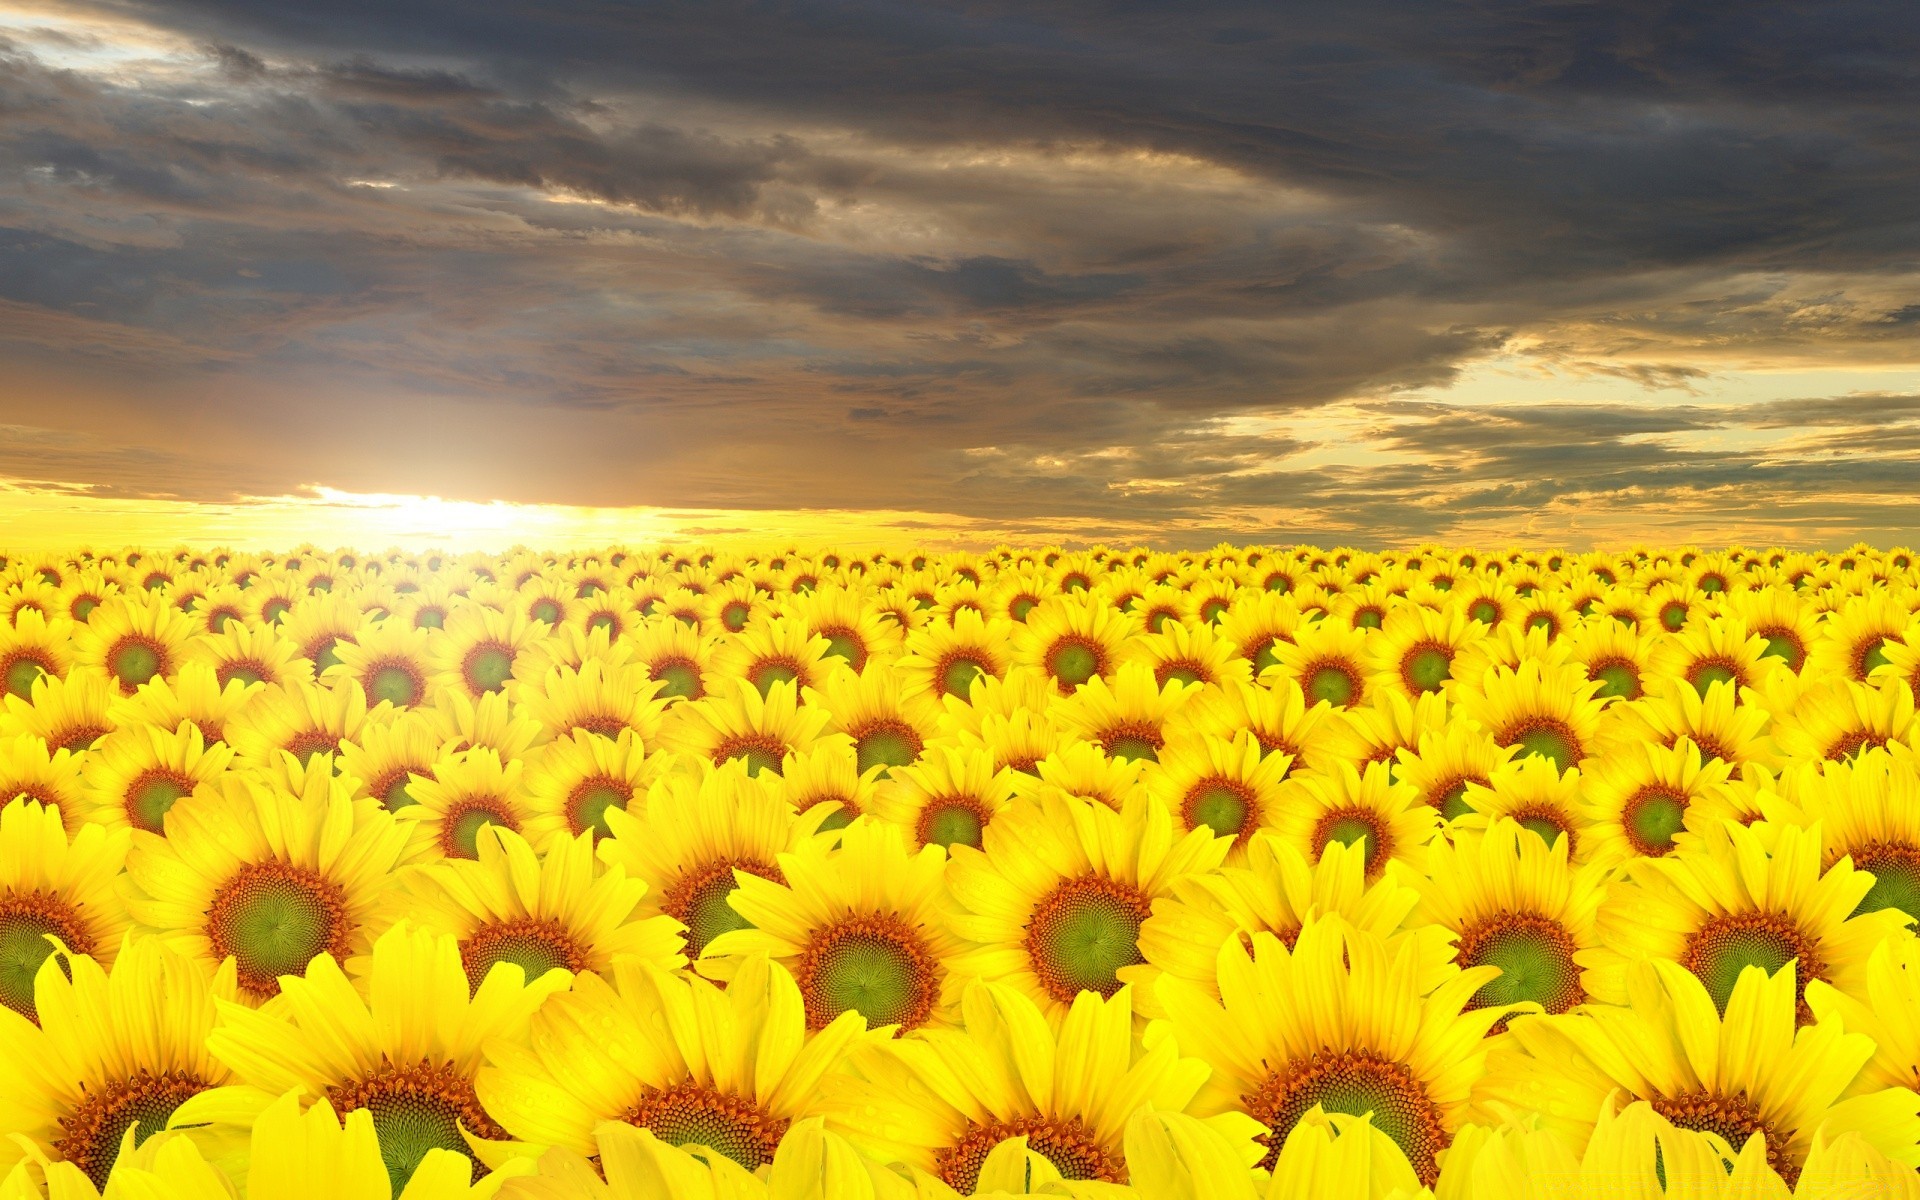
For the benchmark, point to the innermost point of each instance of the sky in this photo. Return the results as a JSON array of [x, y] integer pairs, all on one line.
[[1372, 273]]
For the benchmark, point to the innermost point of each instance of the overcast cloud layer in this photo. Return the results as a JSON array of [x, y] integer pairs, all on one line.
[[1372, 272]]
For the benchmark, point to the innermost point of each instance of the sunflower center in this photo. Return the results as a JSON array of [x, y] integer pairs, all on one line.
[[133, 661], [734, 615], [887, 744], [1426, 667], [1357, 1083], [20, 673], [874, 965], [698, 900], [398, 683], [681, 677], [545, 609], [246, 673], [429, 618], [26, 918], [1082, 933], [1651, 818], [1849, 745], [90, 1135], [460, 827], [393, 790], [487, 667], [1871, 655], [688, 1114], [1896, 877], [1535, 957], [768, 672], [1727, 945], [1673, 616], [151, 795], [1734, 1118], [1546, 738], [1783, 645], [415, 1109], [1069, 1145], [1709, 671], [1073, 661], [1129, 743], [957, 674], [1484, 611], [536, 946], [846, 644], [952, 821], [1452, 801], [307, 743], [1350, 825], [588, 803], [273, 918], [1335, 683], [1222, 806], [757, 750]]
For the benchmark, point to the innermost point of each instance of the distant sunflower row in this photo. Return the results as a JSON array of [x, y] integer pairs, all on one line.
[[1253, 872]]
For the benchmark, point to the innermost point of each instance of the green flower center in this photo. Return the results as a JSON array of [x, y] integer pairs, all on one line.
[[1673, 616], [396, 795], [769, 672], [887, 745], [1896, 878], [1082, 933], [273, 918], [956, 821], [1546, 739], [1358, 1083], [1348, 826], [873, 965], [20, 676], [688, 1114], [134, 662], [698, 900], [26, 918], [1220, 807], [415, 1109], [1484, 611], [400, 686], [1619, 681], [587, 806], [1786, 647], [1727, 945], [1428, 667], [956, 678], [1132, 744], [1453, 802], [489, 666], [681, 678], [460, 837], [1651, 818], [1535, 957], [1706, 674], [846, 645], [1073, 663], [759, 753], [535, 946], [547, 610], [1334, 684], [150, 797]]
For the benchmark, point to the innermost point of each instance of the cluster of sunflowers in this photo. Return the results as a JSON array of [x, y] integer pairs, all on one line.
[[1256, 872]]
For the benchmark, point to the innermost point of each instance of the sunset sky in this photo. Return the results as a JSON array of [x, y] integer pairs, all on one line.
[[1364, 273]]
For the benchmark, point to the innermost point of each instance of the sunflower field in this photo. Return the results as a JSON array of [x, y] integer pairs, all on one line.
[[684, 874]]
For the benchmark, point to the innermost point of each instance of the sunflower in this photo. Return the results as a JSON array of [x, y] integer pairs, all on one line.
[[948, 797], [1413, 653], [55, 886], [1084, 770], [265, 876], [1230, 787], [1274, 890], [1327, 662], [1729, 900], [1868, 810], [302, 720], [385, 758], [1673, 604], [1017, 593], [1053, 902], [1073, 638], [1722, 729], [1128, 719], [1388, 820], [1615, 656], [770, 652], [855, 633], [1256, 622], [317, 626], [54, 778], [1385, 1034], [1542, 711], [132, 640], [1446, 761], [1643, 796], [1736, 1072], [1022, 691], [136, 773], [70, 713], [1377, 731], [734, 604], [427, 608], [491, 721], [1852, 642], [1837, 719], [597, 698], [1781, 619], [572, 782], [946, 1100], [678, 657], [390, 661], [889, 726], [1716, 650], [118, 1054], [829, 773], [689, 1062], [406, 1049], [698, 834], [467, 791], [31, 647], [739, 723], [1278, 716], [480, 647], [551, 602], [1186, 653], [250, 655], [860, 926], [83, 592], [942, 658], [561, 910], [1886, 1008], [1514, 902], [1538, 798]]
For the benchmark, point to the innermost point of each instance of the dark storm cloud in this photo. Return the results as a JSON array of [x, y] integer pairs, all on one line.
[[991, 259]]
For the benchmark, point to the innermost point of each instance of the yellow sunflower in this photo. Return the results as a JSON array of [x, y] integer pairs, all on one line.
[[1532, 794], [678, 657], [1852, 641], [265, 876], [1081, 769], [598, 698], [1413, 653], [737, 722], [1230, 787], [33, 646], [1073, 638], [55, 886], [768, 652], [390, 661], [1867, 810], [1736, 734], [249, 654], [406, 1049], [572, 782], [1053, 902], [136, 773], [1539, 710], [1837, 719], [479, 648], [132, 640], [467, 791], [855, 633], [1387, 820], [1446, 761], [948, 797], [70, 713], [29, 771], [943, 658], [1185, 653], [889, 726], [1384, 1034], [302, 720], [1128, 719], [829, 773], [1327, 662], [1643, 796], [385, 758]]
